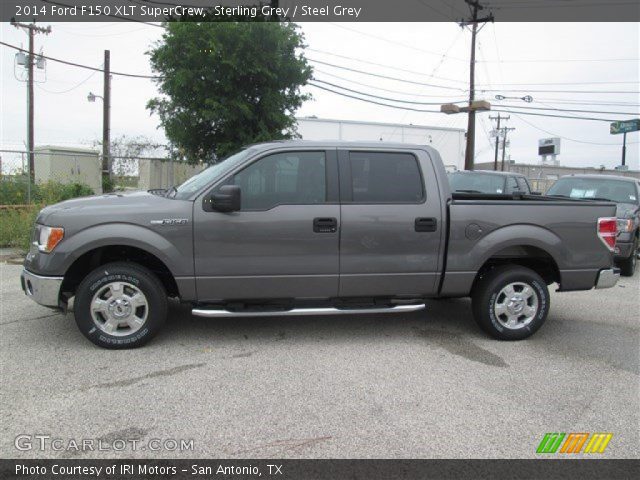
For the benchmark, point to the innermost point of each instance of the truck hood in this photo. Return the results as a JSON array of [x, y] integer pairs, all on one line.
[[626, 210], [126, 207]]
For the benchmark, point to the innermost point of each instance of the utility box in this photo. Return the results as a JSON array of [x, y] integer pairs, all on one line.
[[68, 165]]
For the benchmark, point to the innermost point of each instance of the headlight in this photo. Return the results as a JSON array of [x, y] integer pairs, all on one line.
[[624, 225], [48, 238]]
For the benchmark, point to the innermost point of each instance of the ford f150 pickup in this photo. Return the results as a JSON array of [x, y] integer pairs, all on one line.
[[300, 228]]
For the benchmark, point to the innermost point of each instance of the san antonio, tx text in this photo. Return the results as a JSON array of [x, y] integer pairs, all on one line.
[[141, 469]]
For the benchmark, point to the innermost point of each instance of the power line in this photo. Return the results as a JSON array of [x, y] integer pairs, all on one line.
[[368, 85], [73, 64], [382, 39], [397, 100], [387, 77], [69, 89], [399, 107], [431, 7], [556, 4], [382, 98], [391, 67], [424, 74], [373, 101], [519, 90], [568, 110]]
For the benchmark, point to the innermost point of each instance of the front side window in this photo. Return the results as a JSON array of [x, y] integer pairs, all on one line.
[[512, 185], [523, 185], [378, 177], [288, 178]]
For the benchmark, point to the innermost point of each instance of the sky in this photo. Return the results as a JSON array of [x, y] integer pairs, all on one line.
[[514, 60]]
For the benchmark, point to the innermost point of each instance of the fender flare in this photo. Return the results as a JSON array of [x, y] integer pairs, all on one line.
[[131, 235]]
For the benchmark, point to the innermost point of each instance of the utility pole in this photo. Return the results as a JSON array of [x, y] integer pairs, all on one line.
[[106, 118], [31, 29], [505, 131], [471, 125], [497, 131]]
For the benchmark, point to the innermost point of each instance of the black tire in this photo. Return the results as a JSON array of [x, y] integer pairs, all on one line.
[[129, 279], [628, 265], [490, 286]]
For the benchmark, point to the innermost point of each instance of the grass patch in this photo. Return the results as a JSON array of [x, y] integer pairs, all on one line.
[[16, 226]]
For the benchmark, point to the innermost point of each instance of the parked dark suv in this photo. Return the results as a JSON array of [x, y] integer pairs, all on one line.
[[625, 192], [488, 181]]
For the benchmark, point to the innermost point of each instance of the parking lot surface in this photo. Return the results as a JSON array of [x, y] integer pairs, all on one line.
[[428, 384]]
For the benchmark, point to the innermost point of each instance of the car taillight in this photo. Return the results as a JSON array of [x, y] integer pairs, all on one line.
[[607, 231]]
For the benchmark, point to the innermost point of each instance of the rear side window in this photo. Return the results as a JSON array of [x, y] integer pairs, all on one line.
[[380, 177]]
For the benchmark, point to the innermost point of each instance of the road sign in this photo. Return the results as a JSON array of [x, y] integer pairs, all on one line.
[[625, 127]]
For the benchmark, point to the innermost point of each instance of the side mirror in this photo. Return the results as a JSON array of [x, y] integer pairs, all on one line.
[[226, 199]]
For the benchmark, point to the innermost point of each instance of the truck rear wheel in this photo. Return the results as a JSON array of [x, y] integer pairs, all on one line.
[[510, 302], [120, 305]]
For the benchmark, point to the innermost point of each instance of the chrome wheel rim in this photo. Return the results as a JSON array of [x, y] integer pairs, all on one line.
[[516, 305], [119, 309]]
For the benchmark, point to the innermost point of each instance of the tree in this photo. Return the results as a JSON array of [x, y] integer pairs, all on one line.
[[226, 84]]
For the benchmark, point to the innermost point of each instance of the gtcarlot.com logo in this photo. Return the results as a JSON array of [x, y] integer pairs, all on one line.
[[573, 443], [26, 442]]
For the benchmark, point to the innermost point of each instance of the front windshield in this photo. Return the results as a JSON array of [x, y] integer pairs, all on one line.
[[476, 182], [617, 191], [209, 175]]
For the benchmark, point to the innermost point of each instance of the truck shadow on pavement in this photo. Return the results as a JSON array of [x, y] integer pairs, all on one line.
[[444, 324]]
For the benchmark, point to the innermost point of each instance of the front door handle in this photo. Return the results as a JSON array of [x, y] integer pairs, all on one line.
[[325, 225], [426, 224]]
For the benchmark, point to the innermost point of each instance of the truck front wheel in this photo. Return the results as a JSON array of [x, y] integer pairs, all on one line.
[[510, 302], [120, 305]]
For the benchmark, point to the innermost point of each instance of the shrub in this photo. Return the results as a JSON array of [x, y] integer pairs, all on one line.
[[13, 191], [16, 226], [16, 223]]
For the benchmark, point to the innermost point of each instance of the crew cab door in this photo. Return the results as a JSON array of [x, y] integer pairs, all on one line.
[[283, 243], [391, 223]]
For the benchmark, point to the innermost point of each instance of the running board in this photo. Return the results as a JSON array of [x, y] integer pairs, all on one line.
[[218, 313]]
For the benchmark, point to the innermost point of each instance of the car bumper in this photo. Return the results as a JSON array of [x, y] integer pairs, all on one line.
[[623, 250], [42, 290], [608, 277]]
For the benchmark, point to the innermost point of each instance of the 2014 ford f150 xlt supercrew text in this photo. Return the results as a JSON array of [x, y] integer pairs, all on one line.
[[300, 228]]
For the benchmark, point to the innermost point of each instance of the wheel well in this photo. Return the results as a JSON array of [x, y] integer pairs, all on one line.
[[527, 256], [92, 259]]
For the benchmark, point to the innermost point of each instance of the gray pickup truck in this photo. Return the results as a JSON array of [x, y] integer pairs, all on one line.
[[625, 192], [300, 228]]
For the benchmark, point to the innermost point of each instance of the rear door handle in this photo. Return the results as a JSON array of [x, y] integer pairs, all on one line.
[[426, 224], [325, 225]]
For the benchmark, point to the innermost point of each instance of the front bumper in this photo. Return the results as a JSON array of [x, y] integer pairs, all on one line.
[[42, 290], [608, 277]]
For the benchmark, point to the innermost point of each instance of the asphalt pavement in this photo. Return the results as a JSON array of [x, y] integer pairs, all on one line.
[[428, 384]]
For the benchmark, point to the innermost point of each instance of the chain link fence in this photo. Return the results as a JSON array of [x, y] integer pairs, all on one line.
[[61, 173]]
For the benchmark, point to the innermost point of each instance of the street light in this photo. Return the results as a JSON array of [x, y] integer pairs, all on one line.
[[92, 97], [475, 106]]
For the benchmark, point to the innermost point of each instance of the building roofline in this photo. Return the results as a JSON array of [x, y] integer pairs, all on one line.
[[568, 167], [380, 124]]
